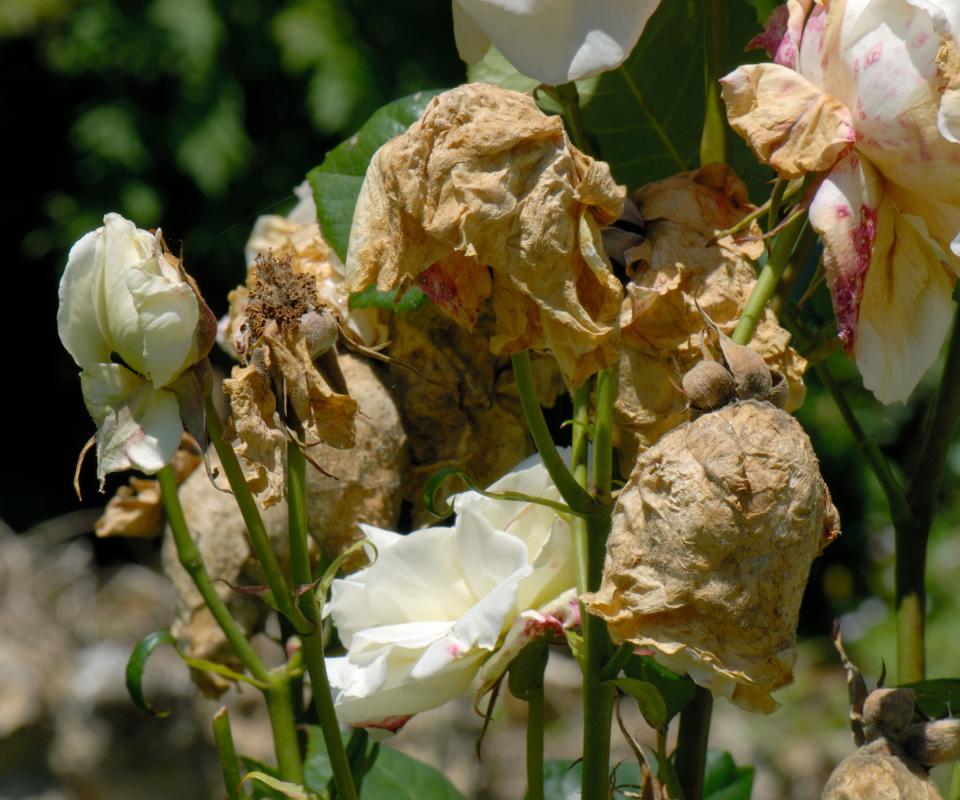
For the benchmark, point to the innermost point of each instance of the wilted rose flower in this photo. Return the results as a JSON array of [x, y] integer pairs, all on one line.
[[485, 197], [868, 93], [419, 623], [134, 322], [553, 41]]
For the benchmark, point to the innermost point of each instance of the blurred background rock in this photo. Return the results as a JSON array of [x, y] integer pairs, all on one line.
[[199, 115]]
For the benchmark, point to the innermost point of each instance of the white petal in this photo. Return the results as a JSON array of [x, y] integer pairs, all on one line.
[[555, 41], [77, 313], [123, 247], [472, 42], [138, 427], [554, 568], [169, 313], [488, 555]]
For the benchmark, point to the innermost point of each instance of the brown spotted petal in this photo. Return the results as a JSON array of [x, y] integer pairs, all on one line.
[[710, 548], [485, 179], [790, 123]]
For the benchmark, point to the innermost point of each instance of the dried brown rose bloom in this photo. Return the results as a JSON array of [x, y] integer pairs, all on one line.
[[880, 770], [367, 489], [486, 197], [136, 510], [711, 546], [679, 268], [280, 337]]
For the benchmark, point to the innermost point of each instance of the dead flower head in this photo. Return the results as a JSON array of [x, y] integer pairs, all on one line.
[[486, 197], [685, 263], [711, 546], [285, 327]]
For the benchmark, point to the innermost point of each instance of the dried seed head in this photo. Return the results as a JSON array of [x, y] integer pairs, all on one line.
[[320, 329], [711, 546], [880, 770], [932, 743], [708, 385], [886, 712], [749, 369]]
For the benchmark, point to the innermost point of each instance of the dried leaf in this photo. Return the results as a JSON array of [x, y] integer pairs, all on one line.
[[485, 179], [711, 546], [136, 510]]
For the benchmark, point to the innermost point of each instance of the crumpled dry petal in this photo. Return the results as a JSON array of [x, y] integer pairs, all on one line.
[[711, 546], [486, 180], [676, 270], [136, 510], [790, 123]]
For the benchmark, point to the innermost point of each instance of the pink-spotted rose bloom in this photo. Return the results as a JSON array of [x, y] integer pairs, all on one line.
[[441, 606], [867, 92]]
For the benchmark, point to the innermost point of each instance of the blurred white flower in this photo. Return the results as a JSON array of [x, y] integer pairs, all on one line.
[[553, 41], [419, 623], [133, 324]]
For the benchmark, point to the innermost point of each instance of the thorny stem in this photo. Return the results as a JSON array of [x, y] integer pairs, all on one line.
[[228, 754], [691, 755], [603, 437], [278, 692], [259, 539], [912, 533], [313, 654], [713, 141], [192, 562], [575, 495]]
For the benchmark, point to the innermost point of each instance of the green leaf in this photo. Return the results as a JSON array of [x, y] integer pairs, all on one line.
[[939, 697], [372, 297], [724, 780], [648, 697], [396, 776], [676, 690], [261, 791], [138, 663], [286, 789], [526, 670], [317, 771], [336, 181], [763, 8], [575, 643], [561, 780]]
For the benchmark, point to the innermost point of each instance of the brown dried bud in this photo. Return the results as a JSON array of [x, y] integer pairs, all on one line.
[[779, 390], [711, 546], [879, 770], [886, 712], [932, 743], [320, 330], [708, 385], [749, 369]]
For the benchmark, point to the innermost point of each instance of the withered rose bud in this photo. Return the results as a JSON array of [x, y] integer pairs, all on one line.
[[880, 770], [483, 198], [711, 546]]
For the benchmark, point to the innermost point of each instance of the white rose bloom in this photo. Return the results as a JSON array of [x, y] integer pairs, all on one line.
[[553, 41], [121, 300], [419, 623]]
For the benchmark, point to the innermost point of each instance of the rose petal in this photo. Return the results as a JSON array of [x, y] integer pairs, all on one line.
[[789, 122], [138, 427], [472, 42], [76, 316], [555, 41], [169, 313]]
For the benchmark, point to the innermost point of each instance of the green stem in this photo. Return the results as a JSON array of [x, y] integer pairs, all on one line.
[[713, 141], [569, 99], [228, 755], [912, 533], [591, 536], [691, 754], [259, 540], [578, 461], [768, 279], [535, 718], [313, 654], [192, 562], [575, 495], [283, 725], [954, 792], [896, 498], [776, 199]]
